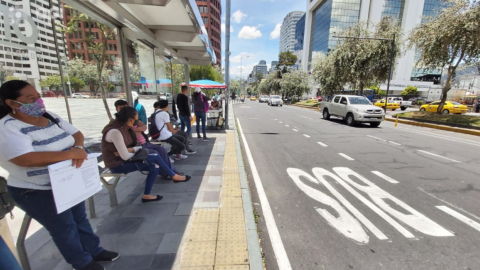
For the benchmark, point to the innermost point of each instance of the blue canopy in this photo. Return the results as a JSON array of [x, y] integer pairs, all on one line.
[[207, 84]]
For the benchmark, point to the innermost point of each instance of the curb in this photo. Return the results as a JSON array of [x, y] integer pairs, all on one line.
[[254, 250], [305, 107], [440, 127]]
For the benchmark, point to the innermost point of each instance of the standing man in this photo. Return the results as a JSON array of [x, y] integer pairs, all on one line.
[[184, 110], [288, 100]]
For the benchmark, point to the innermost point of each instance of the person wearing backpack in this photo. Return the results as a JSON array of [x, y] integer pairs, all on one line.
[[31, 139], [200, 102]]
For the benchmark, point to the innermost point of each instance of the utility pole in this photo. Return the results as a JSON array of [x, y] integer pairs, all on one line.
[[227, 59]]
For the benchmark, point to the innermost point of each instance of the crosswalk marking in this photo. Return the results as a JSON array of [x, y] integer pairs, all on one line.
[[460, 217], [386, 178]]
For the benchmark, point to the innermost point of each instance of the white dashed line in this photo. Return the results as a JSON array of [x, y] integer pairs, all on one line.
[[287, 125], [281, 122], [394, 143], [435, 155], [306, 135], [376, 138], [345, 156], [460, 217], [322, 144], [386, 178], [295, 130]]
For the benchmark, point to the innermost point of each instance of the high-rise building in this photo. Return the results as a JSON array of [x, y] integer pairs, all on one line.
[[326, 17], [287, 31], [30, 60], [76, 45], [211, 10], [261, 67], [299, 38], [273, 66]]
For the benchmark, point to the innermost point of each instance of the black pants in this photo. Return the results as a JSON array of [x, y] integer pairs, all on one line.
[[179, 142]]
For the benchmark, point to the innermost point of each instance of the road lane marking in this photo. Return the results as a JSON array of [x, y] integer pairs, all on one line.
[[451, 204], [295, 130], [384, 177], [376, 138], [439, 136], [275, 238], [460, 217], [287, 125], [306, 135], [394, 143], [322, 144], [281, 122], [435, 155], [345, 156]]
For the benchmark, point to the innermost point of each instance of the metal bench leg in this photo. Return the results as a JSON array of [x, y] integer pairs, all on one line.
[[111, 190], [91, 205], [22, 252]]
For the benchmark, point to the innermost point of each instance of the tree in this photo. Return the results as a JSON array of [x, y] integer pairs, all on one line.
[[11, 78], [410, 90], [235, 86], [88, 73], [97, 47], [76, 83], [449, 39], [286, 59], [4, 73], [295, 83], [177, 73], [52, 82], [327, 73], [205, 73]]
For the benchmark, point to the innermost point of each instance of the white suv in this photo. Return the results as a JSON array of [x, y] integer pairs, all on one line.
[[275, 100]]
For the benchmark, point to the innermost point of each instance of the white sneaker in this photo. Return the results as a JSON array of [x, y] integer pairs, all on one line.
[[181, 157], [171, 161]]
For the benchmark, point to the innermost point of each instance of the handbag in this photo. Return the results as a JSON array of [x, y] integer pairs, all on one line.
[[140, 155], [6, 202]]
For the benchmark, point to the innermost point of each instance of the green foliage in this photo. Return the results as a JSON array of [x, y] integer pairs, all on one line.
[[205, 73], [295, 83], [52, 82], [410, 90], [11, 78], [177, 73], [449, 39], [286, 59], [420, 102], [4, 73], [76, 83]]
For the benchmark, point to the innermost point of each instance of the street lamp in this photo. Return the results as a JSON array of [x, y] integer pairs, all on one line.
[[392, 54]]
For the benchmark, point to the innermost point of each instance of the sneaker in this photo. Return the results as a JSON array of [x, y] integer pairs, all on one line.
[[181, 157], [205, 139], [93, 266], [190, 152], [171, 160], [199, 137], [189, 143], [106, 256]]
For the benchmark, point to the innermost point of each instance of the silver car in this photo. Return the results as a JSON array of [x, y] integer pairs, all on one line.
[[263, 99], [275, 101]]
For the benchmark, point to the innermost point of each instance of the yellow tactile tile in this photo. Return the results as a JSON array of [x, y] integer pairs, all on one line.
[[232, 232], [206, 215], [199, 268], [231, 192], [227, 177], [232, 184], [203, 232], [232, 202], [230, 170], [231, 267], [231, 215], [232, 163], [232, 252], [198, 254]]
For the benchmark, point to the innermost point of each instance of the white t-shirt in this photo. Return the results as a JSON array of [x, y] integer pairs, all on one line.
[[162, 118], [18, 138]]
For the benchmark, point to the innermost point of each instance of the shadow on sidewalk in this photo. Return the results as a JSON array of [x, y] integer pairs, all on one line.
[[148, 235]]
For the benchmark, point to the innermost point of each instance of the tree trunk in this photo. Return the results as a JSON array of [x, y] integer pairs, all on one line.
[[360, 87], [445, 90], [104, 98]]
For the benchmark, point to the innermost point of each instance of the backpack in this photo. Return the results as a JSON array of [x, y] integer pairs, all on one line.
[[152, 126], [6, 202], [205, 103]]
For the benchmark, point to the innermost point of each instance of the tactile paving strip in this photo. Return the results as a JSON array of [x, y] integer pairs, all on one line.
[[230, 170], [232, 202], [227, 177], [207, 215], [199, 254], [202, 268], [229, 253], [231, 163], [203, 232], [230, 267], [232, 232], [231, 215], [231, 192]]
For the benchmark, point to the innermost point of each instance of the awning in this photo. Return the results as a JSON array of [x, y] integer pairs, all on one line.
[[174, 27], [207, 84]]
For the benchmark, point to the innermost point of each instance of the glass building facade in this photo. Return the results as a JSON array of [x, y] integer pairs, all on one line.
[[393, 8], [299, 34], [330, 17]]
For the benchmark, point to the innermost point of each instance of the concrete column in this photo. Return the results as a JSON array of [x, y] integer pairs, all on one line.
[[127, 86]]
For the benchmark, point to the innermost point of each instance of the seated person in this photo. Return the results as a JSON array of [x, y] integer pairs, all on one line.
[[177, 139], [139, 129], [119, 146], [215, 105]]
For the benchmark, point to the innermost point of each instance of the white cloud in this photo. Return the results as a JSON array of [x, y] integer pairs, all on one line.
[[242, 70], [276, 32], [238, 16], [249, 32], [245, 56], [223, 28]]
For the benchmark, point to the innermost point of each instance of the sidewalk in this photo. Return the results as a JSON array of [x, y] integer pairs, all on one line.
[[198, 225]]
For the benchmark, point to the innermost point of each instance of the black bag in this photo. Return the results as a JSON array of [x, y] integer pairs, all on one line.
[[153, 130], [6, 202], [140, 155]]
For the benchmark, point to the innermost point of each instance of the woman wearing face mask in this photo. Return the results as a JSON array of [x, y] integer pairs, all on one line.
[[119, 145], [31, 139]]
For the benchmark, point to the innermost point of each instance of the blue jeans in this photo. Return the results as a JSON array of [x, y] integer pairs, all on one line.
[[8, 261], [158, 149], [154, 164], [71, 231], [185, 122], [201, 115]]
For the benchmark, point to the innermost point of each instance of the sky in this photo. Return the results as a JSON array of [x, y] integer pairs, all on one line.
[[255, 32]]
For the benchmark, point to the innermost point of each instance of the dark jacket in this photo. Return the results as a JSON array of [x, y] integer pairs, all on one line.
[[183, 106], [198, 104], [109, 148]]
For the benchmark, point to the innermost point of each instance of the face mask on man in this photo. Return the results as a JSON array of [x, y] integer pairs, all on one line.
[[36, 108]]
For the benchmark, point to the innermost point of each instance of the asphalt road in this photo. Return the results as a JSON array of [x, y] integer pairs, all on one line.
[[359, 197]]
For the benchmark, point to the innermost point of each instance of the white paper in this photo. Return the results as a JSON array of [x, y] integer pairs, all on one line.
[[70, 185]]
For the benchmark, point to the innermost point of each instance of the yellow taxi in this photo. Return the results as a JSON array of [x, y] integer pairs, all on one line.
[[390, 106], [253, 98], [449, 107]]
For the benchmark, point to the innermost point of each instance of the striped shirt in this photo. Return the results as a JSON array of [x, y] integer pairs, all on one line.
[[18, 138]]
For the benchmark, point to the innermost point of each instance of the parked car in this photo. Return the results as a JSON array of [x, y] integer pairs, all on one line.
[[319, 98], [353, 109], [85, 96], [76, 95], [275, 101], [390, 105], [403, 104], [263, 99], [449, 107], [415, 100]]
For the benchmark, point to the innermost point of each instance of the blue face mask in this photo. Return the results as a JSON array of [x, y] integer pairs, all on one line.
[[36, 108]]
